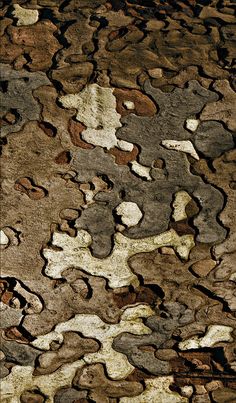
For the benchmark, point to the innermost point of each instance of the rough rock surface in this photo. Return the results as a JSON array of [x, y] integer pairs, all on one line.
[[118, 180]]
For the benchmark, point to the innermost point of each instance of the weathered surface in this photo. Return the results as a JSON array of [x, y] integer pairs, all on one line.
[[117, 235]]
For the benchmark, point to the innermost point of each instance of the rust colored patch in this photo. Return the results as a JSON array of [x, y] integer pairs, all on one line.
[[140, 295], [75, 129], [12, 333], [63, 158], [25, 185], [143, 105], [36, 43], [6, 297], [48, 129], [124, 157]]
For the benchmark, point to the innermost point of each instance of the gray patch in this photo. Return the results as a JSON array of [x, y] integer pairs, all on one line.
[[17, 97]]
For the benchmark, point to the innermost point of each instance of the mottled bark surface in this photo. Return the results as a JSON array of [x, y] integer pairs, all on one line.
[[118, 181]]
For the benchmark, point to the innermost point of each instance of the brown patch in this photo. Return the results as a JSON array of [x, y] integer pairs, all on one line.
[[182, 227], [192, 208], [25, 185], [12, 333], [124, 157], [143, 105], [37, 41], [201, 361], [190, 368], [94, 378], [63, 158], [48, 129], [145, 294], [10, 118], [166, 354], [5, 294], [74, 347], [138, 375], [147, 348], [203, 267], [141, 294], [75, 129], [7, 297], [124, 298], [29, 396], [159, 163]]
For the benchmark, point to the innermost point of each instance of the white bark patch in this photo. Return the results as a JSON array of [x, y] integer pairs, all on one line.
[[128, 105], [125, 145], [76, 253], [117, 364], [157, 390], [192, 124], [182, 145], [130, 213], [21, 378], [155, 73], [96, 109], [215, 334], [25, 16], [4, 240], [141, 170], [187, 391], [181, 200]]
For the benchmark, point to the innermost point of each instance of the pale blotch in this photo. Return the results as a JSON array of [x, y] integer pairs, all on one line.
[[130, 213], [183, 145], [96, 109], [75, 252], [141, 170], [25, 16], [157, 390], [91, 325], [181, 200], [192, 124], [215, 334]]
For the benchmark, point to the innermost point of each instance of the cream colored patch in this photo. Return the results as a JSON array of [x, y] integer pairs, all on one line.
[[125, 145], [25, 16], [4, 240], [182, 145], [96, 109], [117, 364], [192, 124], [187, 391], [141, 170], [128, 105], [130, 213], [8, 237], [215, 334], [181, 200], [21, 378], [157, 390], [76, 253], [105, 138], [155, 73], [34, 304]]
